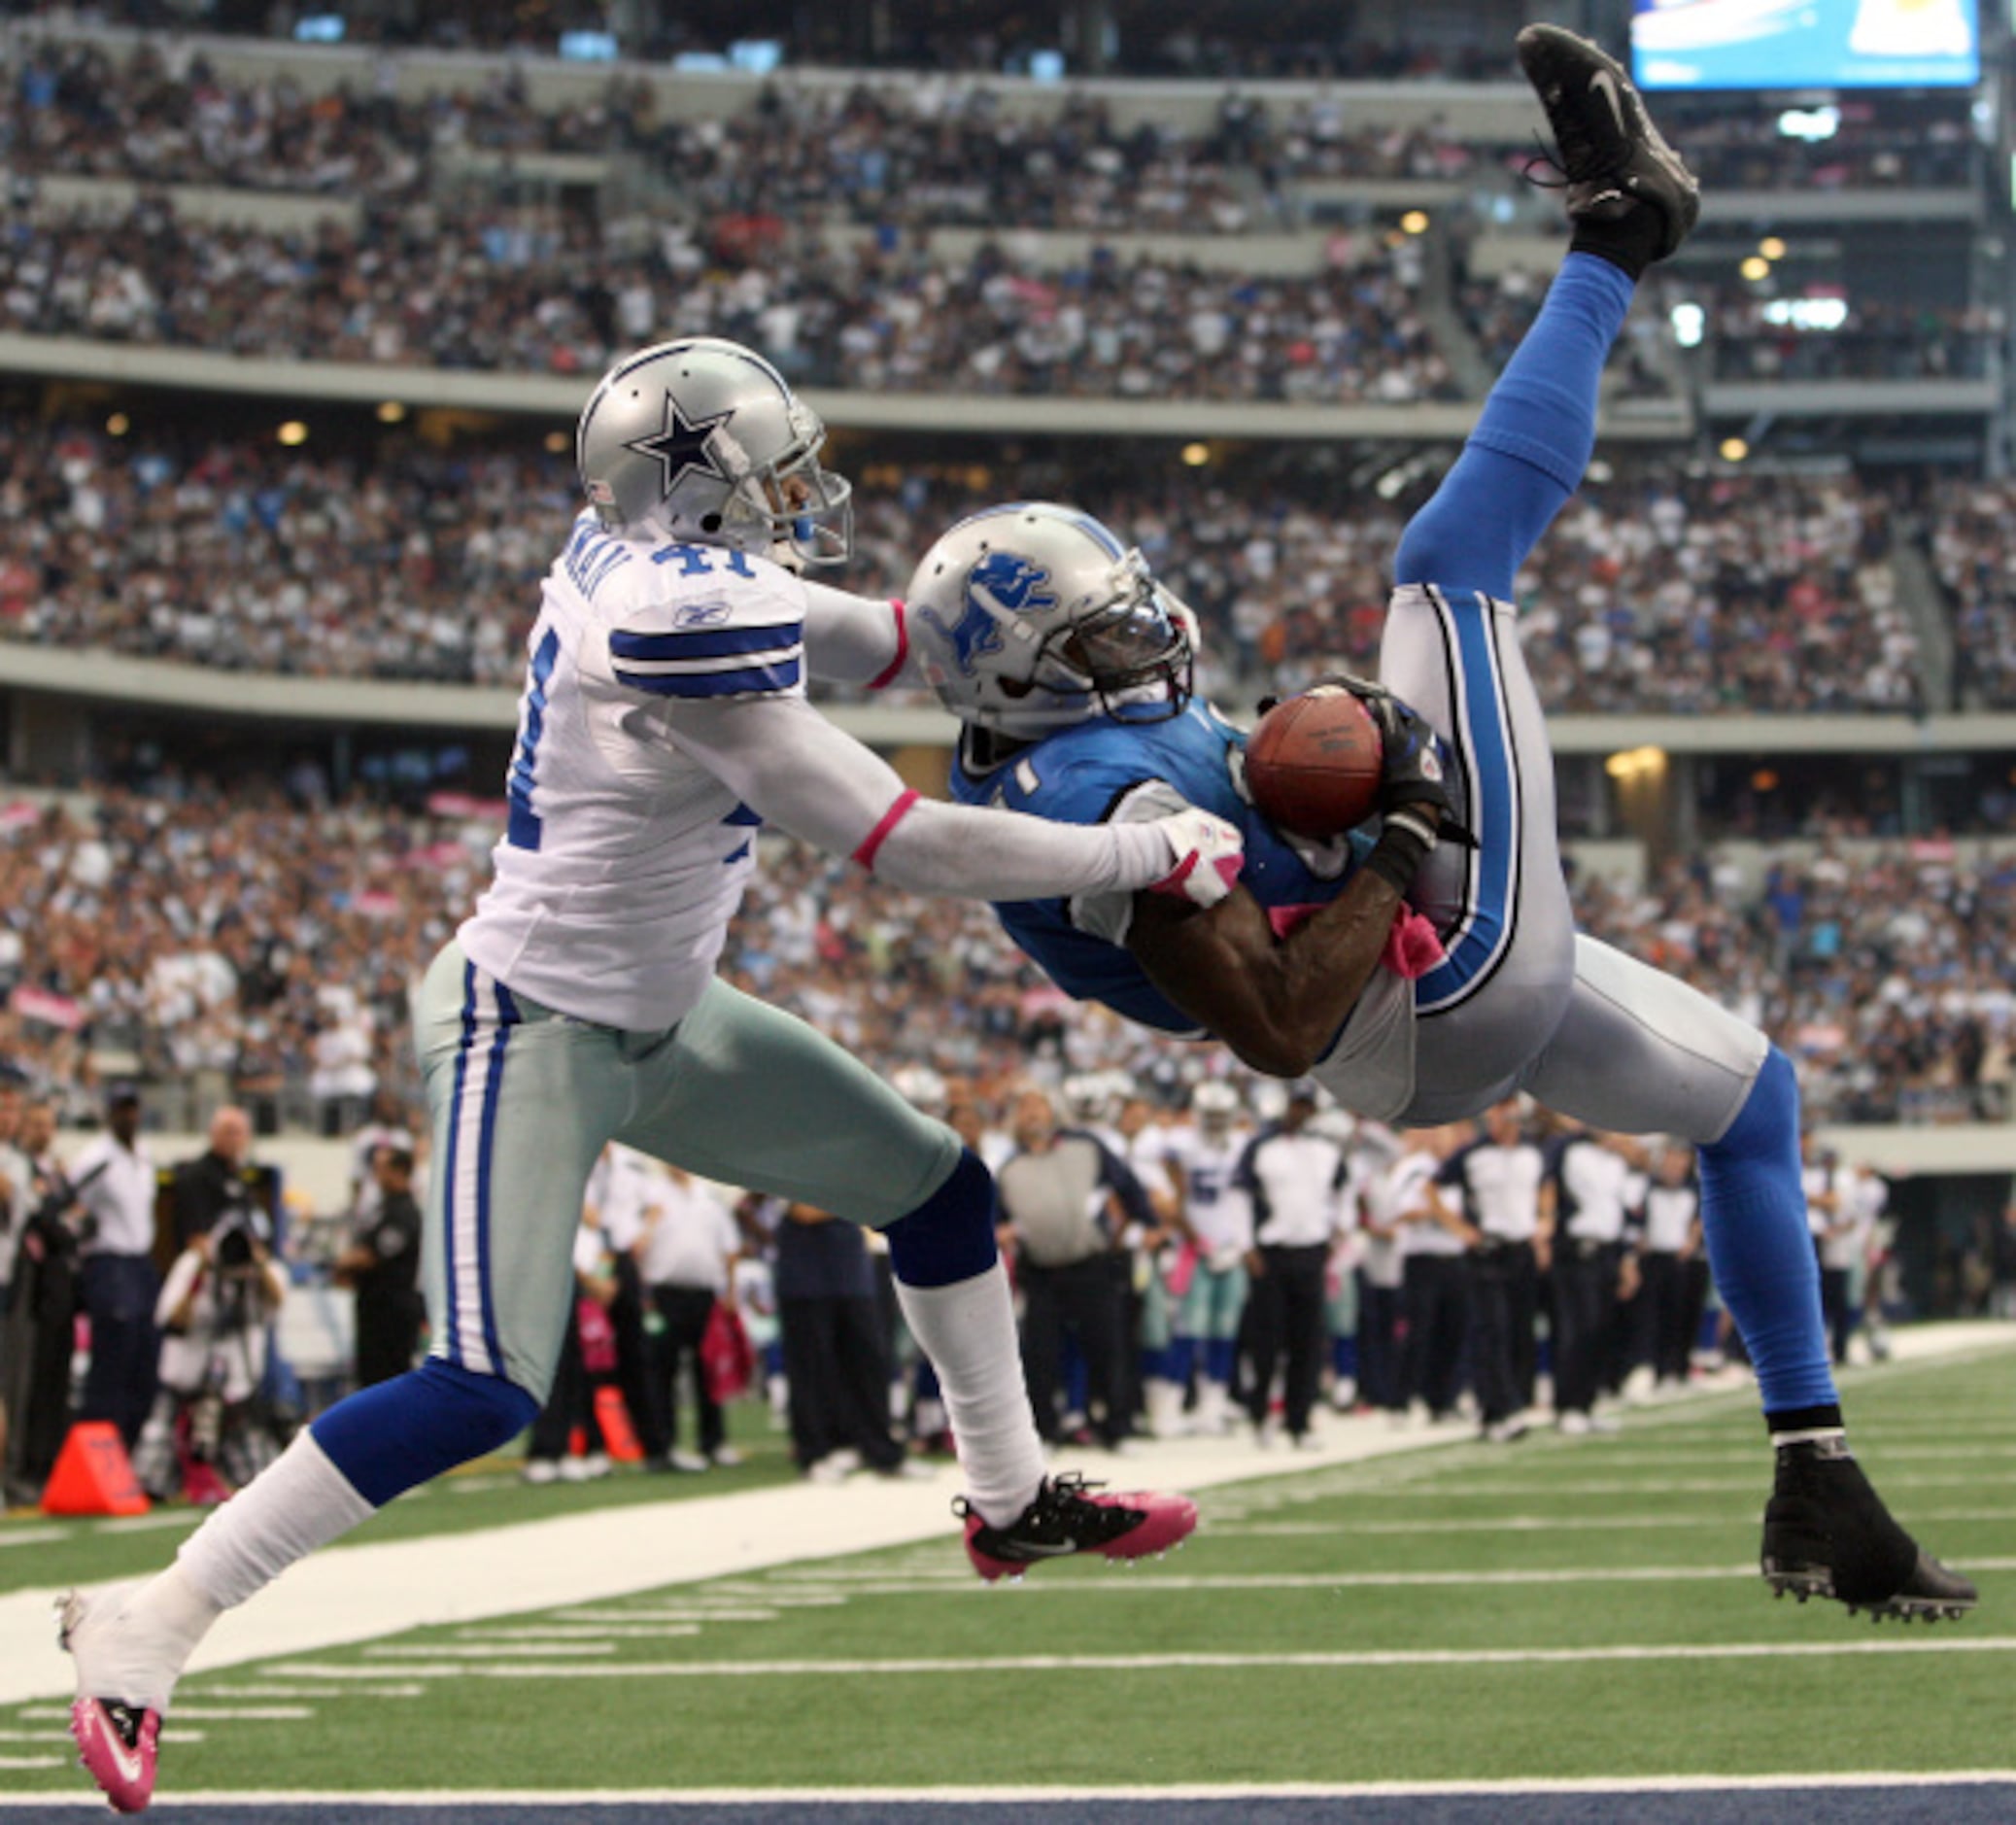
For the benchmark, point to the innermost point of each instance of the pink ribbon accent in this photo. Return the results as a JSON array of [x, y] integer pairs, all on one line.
[[1412, 947], [891, 672]]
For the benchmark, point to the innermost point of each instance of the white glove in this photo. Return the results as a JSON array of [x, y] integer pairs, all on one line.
[[1208, 854]]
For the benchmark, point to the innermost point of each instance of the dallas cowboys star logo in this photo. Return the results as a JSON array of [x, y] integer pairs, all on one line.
[[681, 446]]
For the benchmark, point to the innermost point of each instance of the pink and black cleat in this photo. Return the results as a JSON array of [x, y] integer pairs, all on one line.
[[118, 1740], [118, 1746], [1067, 1518]]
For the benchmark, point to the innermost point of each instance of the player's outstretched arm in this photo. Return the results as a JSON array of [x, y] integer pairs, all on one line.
[[857, 640], [1278, 1002], [799, 772]]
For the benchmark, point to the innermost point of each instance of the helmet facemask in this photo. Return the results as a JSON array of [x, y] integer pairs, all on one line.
[[1132, 652], [791, 502]]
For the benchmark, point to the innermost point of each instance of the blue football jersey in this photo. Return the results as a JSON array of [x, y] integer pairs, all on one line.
[[1079, 775]]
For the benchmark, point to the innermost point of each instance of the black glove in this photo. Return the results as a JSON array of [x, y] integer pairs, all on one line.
[[1417, 771]]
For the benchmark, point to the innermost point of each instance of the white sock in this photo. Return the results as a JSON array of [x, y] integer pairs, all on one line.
[[283, 1514], [133, 1644], [968, 1331]]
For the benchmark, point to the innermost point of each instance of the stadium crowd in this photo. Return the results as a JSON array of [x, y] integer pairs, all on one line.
[[1975, 558], [541, 291], [941, 150], [260, 946], [1761, 594]]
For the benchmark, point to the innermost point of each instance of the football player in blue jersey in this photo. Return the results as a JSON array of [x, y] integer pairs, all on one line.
[[1423, 978]]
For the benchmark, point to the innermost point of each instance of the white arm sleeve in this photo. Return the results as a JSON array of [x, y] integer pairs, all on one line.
[[796, 770], [857, 640]]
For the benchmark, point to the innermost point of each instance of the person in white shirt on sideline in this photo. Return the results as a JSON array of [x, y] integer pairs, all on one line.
[[1499, 1176], [1381, 1270], [1673, 1270], [1834, 1214], [116, 1182], [664, 720], [1435, 1240], [1293, 1177], [1584, 1205], [686, 1256]]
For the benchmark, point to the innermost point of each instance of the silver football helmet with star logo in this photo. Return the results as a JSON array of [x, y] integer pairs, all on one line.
[[704, 440], [1031, 616]]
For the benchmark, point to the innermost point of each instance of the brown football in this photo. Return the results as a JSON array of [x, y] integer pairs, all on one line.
[[1313, 763]]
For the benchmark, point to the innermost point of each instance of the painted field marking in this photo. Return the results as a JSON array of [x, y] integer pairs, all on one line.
[[34, 1735], [1955, 1644], [33, 1536], [282, 1693], [32, 1761], [451, 1651], [545, 1633], [683, 1799], [1543, 1523], [1691, 1486]]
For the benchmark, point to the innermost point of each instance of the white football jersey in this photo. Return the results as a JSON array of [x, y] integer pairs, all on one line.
[[624, 859], [1219, 1212]]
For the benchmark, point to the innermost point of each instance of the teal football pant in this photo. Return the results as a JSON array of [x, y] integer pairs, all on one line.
[[523, 1101]]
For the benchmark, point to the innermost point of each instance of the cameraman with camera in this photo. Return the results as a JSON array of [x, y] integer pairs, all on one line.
[[215, 1304]]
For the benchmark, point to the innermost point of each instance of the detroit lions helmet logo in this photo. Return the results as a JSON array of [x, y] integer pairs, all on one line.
[[998, 589]]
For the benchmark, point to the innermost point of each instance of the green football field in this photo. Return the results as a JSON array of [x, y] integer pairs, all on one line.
[[1554, 1609]]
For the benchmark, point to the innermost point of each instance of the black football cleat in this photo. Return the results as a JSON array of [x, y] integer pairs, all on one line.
[[1067, 1517], [1610, 155], [1826, 1533]]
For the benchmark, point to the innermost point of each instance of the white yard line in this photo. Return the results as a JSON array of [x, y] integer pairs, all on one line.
[[366, 1592], [1957, 1642], [1539, 1524]]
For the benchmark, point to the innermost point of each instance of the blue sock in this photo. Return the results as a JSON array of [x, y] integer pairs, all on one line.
[[1344, 1357], [1182, 1361], [1754, 1216], [1532, 444], [400, 1433], [949, 1237], [1219, 1356]]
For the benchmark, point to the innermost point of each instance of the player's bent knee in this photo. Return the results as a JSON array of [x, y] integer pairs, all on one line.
[[950, 1236], [406, 1432], [1768, 1123]]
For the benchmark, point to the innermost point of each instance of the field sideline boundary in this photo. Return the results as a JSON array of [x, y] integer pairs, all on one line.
[[1036, 1795], [368, 1592]]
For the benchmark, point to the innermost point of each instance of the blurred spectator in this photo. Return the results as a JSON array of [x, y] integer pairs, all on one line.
[[1435, 1284], [836, 1352], [1291, 1175], [1498, 1177], [214, 1185], [567, 1442], [687, 1255], [114, 1182], [205, 1431], [382, 1263], [1065, 1200], [1674, 1270], [36, 1338]]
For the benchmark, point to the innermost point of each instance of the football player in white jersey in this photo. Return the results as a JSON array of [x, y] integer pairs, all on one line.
[[1217, 1221], [663, 721]]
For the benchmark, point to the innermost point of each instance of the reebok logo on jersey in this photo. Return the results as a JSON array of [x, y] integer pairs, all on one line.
[[702, 615]]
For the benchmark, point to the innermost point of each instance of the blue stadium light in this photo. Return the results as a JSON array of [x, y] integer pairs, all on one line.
[[320, 28], [1046, 66], [755, 57], [1690, 324], [588, 47], [699, 63]]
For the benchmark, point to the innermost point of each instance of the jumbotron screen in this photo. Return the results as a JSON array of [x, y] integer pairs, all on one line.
[[1805, 44]]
